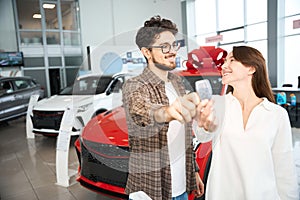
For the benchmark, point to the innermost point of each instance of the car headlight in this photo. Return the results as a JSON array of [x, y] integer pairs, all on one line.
[[84, 107]]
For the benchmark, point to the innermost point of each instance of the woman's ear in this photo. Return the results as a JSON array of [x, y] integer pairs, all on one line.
[[252, 70]]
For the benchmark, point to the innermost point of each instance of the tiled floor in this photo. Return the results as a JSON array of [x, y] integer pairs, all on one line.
[[28, 170], [27, 167]]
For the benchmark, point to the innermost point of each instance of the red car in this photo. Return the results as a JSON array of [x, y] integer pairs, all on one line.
[[103, 153], [103, 150]]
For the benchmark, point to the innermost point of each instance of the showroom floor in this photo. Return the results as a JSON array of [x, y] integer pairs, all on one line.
[[28, 167]]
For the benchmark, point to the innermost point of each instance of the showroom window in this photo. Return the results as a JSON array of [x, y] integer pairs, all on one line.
[[248, 24], [290, 23], [58, 15], [48, 33]]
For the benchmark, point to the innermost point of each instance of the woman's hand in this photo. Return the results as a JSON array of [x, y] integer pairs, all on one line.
[[205, 115]]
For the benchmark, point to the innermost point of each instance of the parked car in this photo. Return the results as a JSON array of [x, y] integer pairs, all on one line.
[[103, 150], [15, 93], [90, 95]]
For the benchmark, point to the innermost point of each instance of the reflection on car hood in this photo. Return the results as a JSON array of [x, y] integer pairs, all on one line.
[[108, 128], [60, 102]]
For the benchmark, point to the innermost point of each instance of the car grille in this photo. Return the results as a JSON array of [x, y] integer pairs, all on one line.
[[109, 165], [47, 119]]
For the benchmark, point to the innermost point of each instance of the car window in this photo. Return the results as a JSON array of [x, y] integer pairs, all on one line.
[[66, 91], [94, 83], [82, 85], [32, 83], [22, 84], [117, 85], [103, 84], [88, 86], [5, 87]]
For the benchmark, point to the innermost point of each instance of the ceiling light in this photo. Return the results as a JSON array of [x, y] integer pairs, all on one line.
[[48, 6], [37, 16]]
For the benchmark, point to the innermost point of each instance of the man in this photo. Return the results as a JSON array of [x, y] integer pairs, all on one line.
[[159, 116]]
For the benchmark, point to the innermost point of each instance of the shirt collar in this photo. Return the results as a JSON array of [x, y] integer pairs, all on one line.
[[265, 103], [153, 78]]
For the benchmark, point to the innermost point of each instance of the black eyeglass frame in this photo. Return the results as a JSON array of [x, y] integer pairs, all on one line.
[[175, 46]]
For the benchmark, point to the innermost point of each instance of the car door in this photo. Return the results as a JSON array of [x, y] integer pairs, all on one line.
[[8, 103], [24, 89], [22, 93], [114, 91]]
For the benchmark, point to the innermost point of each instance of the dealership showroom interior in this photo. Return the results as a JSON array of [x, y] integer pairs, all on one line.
[[63, 63]]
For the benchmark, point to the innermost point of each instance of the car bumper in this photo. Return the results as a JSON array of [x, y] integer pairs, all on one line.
[[49, 123], [50, 120], [102, 173]]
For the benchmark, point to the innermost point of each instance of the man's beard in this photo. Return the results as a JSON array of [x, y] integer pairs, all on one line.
[[163, 67]]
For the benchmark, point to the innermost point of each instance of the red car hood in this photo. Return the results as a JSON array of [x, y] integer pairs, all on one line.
[[107, 128]]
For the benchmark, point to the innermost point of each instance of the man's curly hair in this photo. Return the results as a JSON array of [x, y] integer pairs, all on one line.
[[152, 28]]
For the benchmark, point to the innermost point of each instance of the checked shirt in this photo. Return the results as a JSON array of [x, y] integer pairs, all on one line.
[[149, 164]]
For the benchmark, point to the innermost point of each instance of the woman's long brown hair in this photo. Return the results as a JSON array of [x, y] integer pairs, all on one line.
[[251, 57]]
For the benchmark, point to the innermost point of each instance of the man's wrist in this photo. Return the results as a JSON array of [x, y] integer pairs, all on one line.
[[161, 115]]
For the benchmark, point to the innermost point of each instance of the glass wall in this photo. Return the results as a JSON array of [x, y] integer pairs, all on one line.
[[291, 40], [30, 25], [246, 25], [48, 32], [242, 22], [30, 21]]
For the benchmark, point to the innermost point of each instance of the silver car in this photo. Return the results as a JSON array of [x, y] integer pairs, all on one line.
[[15, 93]]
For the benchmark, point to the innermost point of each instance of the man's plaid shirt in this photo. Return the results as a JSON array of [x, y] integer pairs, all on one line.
[[149, 165]]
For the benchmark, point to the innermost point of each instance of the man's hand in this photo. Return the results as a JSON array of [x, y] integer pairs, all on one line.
[[182, 109], [200, 186]]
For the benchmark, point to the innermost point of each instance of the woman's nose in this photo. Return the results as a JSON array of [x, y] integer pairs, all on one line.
[[224, 65]]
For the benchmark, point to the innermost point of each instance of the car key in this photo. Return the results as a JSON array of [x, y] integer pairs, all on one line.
[[203, 88]]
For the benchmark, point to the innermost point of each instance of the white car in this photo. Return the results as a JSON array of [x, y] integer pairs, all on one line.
[[88, 96]]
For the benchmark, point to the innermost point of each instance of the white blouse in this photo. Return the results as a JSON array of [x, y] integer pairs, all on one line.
[[255, 163]]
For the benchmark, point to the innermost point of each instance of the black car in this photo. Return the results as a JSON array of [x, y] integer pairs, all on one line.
[[15, 93]]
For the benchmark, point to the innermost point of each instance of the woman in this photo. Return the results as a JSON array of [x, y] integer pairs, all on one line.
[[252, 144]]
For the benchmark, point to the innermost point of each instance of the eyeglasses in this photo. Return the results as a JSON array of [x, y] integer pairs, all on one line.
[[166, 48]]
